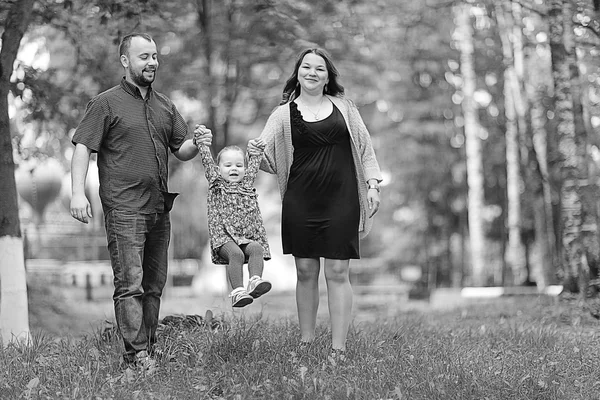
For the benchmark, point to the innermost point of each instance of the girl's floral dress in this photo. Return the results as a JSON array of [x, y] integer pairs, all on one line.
[[233, 212]]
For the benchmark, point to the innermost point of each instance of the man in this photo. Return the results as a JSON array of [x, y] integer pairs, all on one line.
[[131, 127]]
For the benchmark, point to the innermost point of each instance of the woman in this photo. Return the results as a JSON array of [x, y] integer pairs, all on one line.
[[319, 148]]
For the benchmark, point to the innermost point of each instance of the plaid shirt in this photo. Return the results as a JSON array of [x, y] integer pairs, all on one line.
[[131, 136]]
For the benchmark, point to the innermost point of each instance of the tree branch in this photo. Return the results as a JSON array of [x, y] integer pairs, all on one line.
[[530, 7], [594, 30]]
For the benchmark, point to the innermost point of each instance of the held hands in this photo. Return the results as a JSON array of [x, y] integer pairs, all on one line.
[[202, 136], [80, 208], [256, 146]]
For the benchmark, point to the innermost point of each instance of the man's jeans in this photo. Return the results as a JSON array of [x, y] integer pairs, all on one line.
[[138, 246]]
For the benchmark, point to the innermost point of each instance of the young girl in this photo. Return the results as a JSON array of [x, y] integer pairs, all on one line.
[[235, 225]]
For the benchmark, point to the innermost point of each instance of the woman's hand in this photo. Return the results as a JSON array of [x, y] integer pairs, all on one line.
[[256, 147], [373, 201]]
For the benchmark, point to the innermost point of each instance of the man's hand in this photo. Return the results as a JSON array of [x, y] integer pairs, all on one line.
[[202, 135], [80, 208], [256, 147]]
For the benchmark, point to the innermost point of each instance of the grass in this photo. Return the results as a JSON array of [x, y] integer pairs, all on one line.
[[512, 348]]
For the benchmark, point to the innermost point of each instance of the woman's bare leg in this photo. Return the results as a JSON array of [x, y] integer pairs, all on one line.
[[307, 296], [339, 296]]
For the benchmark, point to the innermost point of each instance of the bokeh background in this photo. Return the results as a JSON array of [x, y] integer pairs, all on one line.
[[464, 100]]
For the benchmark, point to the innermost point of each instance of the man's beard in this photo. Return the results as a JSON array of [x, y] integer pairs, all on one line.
[[139, 78]]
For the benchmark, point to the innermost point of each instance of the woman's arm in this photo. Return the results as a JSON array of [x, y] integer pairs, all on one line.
[[365, 145], [272, 130]]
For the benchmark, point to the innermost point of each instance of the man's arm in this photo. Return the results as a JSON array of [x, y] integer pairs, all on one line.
[[187, 151], [189, 148], [80, 206]]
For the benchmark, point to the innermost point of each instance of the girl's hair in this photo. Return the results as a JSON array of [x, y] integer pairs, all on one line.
[[291, 90], [230, 148]]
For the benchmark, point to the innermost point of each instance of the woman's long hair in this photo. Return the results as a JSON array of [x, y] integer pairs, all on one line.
[[291, 90]]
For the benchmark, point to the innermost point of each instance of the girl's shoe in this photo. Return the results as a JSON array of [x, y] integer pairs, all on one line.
[[240, 298], [258, 286]]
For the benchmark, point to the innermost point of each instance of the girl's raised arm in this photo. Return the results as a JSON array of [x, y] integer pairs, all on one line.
[[254, 158], [210, 168]]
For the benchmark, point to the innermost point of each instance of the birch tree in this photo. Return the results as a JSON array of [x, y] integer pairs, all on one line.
[[588, 190], [475, 204], [515, 252], [571, 208], [14, 319], [536, 88]]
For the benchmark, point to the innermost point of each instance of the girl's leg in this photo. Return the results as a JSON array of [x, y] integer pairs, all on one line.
[[307, 296], [235, 259], [256, 285], [254, 252], [339, 296]]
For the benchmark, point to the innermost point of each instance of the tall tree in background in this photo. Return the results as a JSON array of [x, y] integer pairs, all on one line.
[[14, 319], [515, 251], [541, 187], [588, 189], [237, 40], [475, 204], [205, 22], [538, 83], [571, 208]]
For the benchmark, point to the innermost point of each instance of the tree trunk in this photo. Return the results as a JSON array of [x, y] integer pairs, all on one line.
[[536, 88], [571, 208], [588, 189], [528, 162], [232, 73], [464, 31], [515, 252], [204, 11], [14, 319], [542, 192]]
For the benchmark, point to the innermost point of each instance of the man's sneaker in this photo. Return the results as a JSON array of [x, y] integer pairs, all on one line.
[[258, 286], [240, 298]]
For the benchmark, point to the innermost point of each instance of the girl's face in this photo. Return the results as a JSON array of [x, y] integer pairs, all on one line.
[[313, 74], [232, 165]]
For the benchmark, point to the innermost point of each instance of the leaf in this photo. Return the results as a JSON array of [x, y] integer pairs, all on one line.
[[303, 371], [33, 383], [95, 353], [398, 392]]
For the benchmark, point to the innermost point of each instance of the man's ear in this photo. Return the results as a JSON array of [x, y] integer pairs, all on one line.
[[124, 61]]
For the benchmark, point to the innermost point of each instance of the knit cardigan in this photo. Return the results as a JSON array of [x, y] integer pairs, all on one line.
[[279, 152]]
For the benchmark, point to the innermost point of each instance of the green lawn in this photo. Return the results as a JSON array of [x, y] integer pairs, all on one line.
[[509, 348]]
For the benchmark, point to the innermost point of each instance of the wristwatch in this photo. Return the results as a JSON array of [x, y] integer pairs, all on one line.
[[374, 186]]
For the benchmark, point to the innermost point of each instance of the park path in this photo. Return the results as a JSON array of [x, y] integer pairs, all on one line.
[[67, 311]]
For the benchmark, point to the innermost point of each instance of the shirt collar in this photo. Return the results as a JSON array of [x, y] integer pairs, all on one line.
[[132, 89]]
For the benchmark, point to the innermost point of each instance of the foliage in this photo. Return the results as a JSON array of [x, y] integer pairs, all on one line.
[[512, 348], [224, 63]]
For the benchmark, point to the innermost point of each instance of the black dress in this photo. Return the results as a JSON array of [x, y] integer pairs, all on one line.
[[321, 212]]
